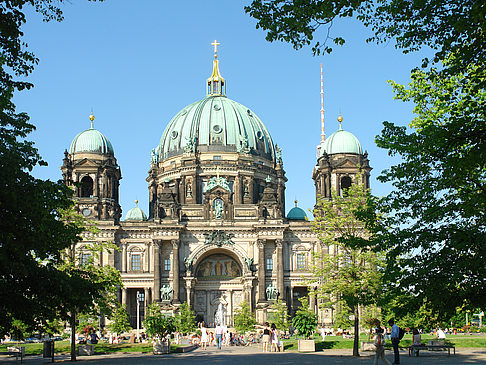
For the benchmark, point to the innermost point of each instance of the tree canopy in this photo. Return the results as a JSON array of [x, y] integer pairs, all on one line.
[[436, 226], [446, 26], [350, 273], [33, 234]]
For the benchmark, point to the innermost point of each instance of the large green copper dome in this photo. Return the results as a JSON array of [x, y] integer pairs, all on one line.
[[91, 141], [341, 142], [216, 123]]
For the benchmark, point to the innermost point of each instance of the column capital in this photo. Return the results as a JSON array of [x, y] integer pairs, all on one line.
[[261, 242], [175, 243], [278, 243]]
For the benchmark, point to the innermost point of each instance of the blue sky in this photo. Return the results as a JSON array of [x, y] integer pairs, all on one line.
[[138, 63]]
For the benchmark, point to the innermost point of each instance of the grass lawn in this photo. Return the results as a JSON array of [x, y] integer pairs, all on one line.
[[337, 342], [64, 347]]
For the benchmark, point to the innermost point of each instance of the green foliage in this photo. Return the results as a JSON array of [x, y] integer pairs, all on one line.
[[185, 319], [88, 322], [244, 319], [157, 324], [281, 316], [446, 27], [120, 320], [436, 221], [341, 315], [32, 232], [305, 320]]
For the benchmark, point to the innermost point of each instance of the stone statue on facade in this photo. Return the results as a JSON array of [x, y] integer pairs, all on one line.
[[278, 151], [154, 158], [272, 292], [190, 145], [188, 263], [218, 209], [219, 317], [166, 293], [249, 263]]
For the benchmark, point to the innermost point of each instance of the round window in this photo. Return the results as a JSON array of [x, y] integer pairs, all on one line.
[[216, 107], [174, 134], [217, 128], [259, 134]]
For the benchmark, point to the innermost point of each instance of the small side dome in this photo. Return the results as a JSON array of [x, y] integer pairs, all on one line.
[[297, 214], [91, 141], [136, 214], [342, 141]]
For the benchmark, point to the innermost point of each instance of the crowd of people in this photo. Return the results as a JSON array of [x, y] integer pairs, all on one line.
[[268, 335]]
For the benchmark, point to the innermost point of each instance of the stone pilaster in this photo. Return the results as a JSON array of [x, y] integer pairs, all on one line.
[[124, 257], [156, 289], [261, 270], [280, 270], [175, 271]]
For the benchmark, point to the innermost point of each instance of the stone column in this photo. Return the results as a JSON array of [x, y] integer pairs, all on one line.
[[291, 304], [208, 307], [238, 190], [312, 302], [280, 271], [146, 293], [156, 288], [124, 297], [261, 270], [124, 257], [175, 271], [229, 311]]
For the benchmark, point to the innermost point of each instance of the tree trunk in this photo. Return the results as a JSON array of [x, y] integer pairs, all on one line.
[[73, 337], [356, 331]]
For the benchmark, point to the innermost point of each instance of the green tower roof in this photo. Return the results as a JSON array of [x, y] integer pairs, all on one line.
[[297, 213], [341, 141], [136, 214], [91, 140]]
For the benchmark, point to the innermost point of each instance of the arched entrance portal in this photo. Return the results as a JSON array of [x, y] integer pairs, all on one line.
[[219, 284]]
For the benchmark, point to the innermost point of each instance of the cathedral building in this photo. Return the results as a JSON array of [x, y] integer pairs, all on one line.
[[215, 233]]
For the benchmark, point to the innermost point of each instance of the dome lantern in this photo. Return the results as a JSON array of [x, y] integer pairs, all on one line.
[[216, 83]]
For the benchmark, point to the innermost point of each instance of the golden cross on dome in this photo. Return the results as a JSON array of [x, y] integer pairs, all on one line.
[[215, 44]]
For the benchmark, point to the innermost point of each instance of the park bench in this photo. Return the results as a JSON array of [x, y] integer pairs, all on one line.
[[17, 351], [415, 349]]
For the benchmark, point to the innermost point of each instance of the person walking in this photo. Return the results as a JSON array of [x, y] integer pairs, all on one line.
[[395, 340], [204, 336], [274, 338], [219, 335], [380, 345]]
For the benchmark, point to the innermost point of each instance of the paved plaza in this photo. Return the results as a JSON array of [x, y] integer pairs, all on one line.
[[253, 356]]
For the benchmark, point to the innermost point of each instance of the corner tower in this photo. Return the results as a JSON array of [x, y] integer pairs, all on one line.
[[340, 157], [91, 168]]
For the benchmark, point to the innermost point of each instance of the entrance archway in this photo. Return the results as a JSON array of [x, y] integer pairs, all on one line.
[[219, 283]]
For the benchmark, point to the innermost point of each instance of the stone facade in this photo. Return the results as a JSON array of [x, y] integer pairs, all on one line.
[[216, 232]]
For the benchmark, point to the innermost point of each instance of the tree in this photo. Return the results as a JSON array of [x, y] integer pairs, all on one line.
[[244, 319], [351, 272], [435, 229], [444, 26], [32, 232], [186, 319], [157, 324], [120, 321], [305, 320], [281, 316]]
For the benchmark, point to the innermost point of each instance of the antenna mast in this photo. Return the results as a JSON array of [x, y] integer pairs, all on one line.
[[323, 134]]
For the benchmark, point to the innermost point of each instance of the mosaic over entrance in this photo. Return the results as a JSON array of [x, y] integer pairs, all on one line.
[[218, 266]]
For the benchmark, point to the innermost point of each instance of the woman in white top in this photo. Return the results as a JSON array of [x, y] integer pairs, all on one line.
[[204, 336]]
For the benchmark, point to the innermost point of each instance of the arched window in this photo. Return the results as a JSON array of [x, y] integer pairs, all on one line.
[[345, 185], [86, 187]]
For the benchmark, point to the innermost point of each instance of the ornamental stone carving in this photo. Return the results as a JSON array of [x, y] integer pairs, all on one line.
[[219, 238]]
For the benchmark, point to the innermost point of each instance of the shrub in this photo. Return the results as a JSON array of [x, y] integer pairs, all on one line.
[[305, 320]]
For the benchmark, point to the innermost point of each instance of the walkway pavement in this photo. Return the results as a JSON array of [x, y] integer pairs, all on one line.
[[253, 356]]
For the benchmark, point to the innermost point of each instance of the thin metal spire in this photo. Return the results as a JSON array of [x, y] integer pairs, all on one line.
[[323, 134]]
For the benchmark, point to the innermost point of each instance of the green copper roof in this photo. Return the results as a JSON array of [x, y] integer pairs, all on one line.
[[91, 140], [136, 214], [341, 142], [297, 214], [216, 123]]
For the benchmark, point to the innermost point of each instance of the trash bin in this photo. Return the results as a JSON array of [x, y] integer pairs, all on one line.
[[48, 348]]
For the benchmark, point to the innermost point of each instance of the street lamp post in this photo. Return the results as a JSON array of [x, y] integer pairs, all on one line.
[[140, 298]]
